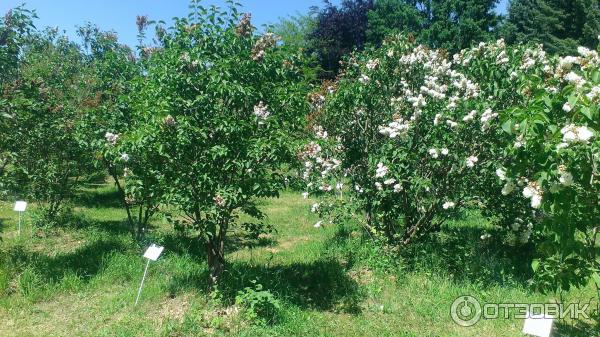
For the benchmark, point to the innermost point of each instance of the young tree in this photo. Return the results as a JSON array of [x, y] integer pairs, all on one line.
[[216, 112], [419, 136]]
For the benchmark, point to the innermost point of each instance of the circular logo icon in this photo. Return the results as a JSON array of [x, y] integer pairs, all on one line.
[[466, 311]]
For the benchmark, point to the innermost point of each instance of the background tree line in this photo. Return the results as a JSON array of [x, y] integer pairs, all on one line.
[[330, 32]]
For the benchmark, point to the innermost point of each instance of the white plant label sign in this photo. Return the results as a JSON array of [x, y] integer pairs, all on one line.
[[153, 252], [538, 325], [20, 206]]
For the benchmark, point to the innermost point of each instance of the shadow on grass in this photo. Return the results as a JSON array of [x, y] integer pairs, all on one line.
[[240, 241], [107, 226], [2, 221], [580, 329], [85, 262], [104, 197], [184, 245], [455, 252], [320, 285], [459, 252], [180, 244]]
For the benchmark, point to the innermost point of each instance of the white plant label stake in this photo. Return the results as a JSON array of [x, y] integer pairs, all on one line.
[[538, 325], [152, 254], [20, 207]]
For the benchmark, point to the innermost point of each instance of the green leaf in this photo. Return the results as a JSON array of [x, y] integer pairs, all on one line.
[[587, 112], [507, 126], [535, 265], [548, 101]]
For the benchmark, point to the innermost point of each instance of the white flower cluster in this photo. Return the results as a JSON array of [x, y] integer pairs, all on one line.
[[471, 161], [594, 93], [395, 128], [575, 79], [381, 171], [448, 205], [470, 116], [509, 186], [111, 138], [589, 58], [261, 111], [433, 88], [486, 117], [566, 63], [533, 57], [372, 64], [534, 192], [264, 42], [565, 178], [573, 134], [320, 133], [435, 153], [320, 166]]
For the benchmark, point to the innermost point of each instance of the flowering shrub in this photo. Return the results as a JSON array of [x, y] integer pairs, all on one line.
[[553, 163], [43, 115], [15, 29], [110, 117], [418, 135], [216, 112], [547, 174]]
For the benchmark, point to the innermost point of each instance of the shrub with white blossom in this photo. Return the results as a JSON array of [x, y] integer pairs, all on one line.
[[419, 135], [416, 137], [553, 162]]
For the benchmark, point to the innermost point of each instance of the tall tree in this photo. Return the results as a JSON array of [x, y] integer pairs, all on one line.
[[393, 16], [338, 31], [448, 24], [458, 24], [293, 30], [561, 25]]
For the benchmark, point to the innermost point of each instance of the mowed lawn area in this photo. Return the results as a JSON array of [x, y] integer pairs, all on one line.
[[82, 280]]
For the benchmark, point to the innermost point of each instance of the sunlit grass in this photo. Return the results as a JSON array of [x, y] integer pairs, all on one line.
[[82, 280]]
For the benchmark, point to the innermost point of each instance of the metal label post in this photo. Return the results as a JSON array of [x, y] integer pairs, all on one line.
[[152, 254], [20, 207]]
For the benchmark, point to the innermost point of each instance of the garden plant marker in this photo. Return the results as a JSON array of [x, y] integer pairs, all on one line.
[[152, 254], [20, 207], [538, 325]]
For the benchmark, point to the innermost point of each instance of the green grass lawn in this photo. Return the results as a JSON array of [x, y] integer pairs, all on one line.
[[82, 280]]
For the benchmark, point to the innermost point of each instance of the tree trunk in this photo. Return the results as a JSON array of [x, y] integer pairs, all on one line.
[[215, 249]]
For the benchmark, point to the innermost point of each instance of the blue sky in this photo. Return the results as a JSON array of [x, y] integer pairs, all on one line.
[[119, 15]]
